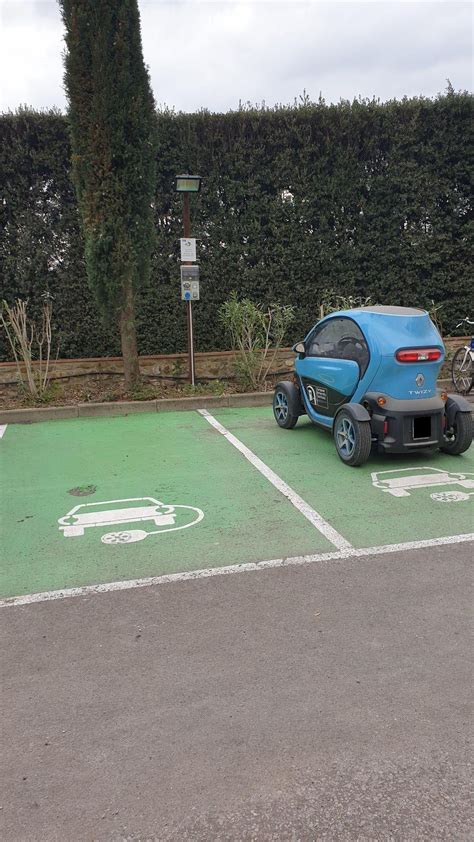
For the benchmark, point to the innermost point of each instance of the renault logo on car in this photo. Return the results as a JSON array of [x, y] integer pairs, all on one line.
[[419, 380]]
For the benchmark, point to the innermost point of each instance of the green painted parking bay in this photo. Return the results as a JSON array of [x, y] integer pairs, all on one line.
[[92, 501], [104, 466], [390, 499]]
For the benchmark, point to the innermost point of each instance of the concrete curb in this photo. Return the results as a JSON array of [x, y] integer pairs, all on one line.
[[117, 408], [120, 408], [95, 410], [47, 413]]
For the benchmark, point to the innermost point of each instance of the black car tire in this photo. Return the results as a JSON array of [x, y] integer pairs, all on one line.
[[461, 436], [358, 448], [286, 405]]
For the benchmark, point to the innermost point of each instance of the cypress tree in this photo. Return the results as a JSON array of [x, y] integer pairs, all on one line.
[[113, 130]]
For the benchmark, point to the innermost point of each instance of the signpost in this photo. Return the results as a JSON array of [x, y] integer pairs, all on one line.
[[187, 184]]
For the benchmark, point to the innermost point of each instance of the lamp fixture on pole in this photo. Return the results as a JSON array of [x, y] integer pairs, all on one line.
[[188, 183]]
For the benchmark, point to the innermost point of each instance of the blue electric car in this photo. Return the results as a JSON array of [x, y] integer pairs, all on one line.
[[369, 375]]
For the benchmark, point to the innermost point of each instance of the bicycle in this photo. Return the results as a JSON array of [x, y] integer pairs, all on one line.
[[462, 366]]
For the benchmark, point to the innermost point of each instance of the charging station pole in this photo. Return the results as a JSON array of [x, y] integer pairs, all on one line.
[[189, 306], [187, 184]]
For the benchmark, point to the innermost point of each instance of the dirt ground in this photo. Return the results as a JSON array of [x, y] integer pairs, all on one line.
[[75, 390]]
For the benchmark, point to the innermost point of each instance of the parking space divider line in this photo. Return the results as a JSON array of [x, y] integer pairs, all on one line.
[[211, 572], [3, 428], [304, 508]]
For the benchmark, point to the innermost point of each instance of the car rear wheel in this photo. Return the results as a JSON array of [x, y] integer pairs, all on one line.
[[286, 405], [353, 439], [458, 438]]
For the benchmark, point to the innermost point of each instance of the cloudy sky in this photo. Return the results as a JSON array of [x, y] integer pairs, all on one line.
[[214, 53]]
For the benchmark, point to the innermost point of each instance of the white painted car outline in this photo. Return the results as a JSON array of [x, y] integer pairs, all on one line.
[[74, 524], [397, 485]]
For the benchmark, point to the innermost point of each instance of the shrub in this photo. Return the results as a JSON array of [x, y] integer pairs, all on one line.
[[257, 333]]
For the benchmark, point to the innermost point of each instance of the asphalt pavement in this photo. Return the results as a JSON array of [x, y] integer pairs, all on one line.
[[324, 702]]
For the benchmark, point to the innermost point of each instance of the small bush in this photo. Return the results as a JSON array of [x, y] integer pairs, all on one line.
[[142, 392], [30, 344], [257, 333], [331, 302], [216, 387]]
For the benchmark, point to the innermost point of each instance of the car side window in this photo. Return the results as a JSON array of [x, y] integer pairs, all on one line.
[[325, 339], [340, 339]]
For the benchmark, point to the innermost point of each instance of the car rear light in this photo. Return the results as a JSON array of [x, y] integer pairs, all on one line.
[[418, 355], [385, 427]]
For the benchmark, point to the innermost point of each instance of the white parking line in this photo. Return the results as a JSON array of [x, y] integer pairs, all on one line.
[[3, 428], [309, 513], [131, 584]]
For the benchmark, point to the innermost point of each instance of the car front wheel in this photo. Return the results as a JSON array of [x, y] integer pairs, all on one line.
[[286, 405], [353, 439], [458, 438]]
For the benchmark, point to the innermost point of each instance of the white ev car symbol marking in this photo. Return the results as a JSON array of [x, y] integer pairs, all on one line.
[[398, 482], [126, 511]]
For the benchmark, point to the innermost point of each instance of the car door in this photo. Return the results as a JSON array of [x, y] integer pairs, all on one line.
[[330, 369]]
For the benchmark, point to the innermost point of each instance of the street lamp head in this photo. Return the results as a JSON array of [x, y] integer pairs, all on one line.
[[188, 183]]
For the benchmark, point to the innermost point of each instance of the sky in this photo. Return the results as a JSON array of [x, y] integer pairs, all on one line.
[[215, 54]]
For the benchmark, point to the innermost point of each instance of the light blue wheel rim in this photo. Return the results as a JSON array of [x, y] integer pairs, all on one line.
[[280, 406], [345, 437]]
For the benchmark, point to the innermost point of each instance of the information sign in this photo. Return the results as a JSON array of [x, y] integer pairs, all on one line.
[[188, 249]]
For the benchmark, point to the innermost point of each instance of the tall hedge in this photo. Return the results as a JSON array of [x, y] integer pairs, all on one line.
[[362, 198]]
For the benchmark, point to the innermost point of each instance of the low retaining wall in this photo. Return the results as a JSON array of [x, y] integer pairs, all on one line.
[[212, 365]]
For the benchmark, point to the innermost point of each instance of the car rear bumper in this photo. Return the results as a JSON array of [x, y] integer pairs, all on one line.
[[403, 425]]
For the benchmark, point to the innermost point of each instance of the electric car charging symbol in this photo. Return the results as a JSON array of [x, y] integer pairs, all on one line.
[[168, 518]]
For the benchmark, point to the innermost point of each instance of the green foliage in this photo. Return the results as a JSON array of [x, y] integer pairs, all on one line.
[[142, 392], [244, 322], [367, 199], [112, 130], [51, 395], [216, 387], [331, 302], [253, 331]]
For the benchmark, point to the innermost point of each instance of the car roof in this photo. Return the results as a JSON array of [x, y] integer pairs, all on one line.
[[394, 327], [385, 310]]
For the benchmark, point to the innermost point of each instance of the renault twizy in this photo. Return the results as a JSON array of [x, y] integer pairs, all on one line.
[[369, 375]]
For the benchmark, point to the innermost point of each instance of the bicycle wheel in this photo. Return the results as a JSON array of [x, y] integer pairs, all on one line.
[[462, 371]]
